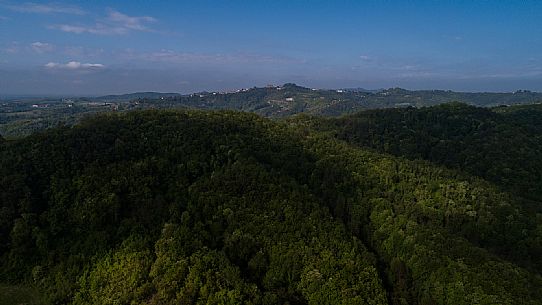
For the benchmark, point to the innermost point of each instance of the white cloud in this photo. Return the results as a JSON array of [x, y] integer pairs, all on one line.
[[73, 65], [99, 29], [31, 7], [115, 23], [175, 57], [41, 47], [69, 28], [365, 57], [129, 22]]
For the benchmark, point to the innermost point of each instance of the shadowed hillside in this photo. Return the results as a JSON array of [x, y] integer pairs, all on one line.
[[167, 207]]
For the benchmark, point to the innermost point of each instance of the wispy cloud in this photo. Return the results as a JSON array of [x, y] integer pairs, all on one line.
[[115, 23], [41, 47], [73, 65], [175, 57], [12, 48], [502, 75], [82, 52], [99, 29], [40, 8], [129, 22], [4, 18]]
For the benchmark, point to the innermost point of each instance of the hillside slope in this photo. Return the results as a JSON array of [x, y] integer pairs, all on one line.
[[166, 207], [501, 145], [20, 117]]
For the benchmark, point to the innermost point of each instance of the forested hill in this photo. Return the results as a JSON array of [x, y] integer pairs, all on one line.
[[191, 207], [21, 117], [502, 145], [135, 96], [288, 99]]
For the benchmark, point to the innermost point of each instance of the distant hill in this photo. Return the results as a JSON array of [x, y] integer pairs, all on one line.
[[279, 101], [136, 95], [22, 117], [364, 90], [288, 99], [394, 97]]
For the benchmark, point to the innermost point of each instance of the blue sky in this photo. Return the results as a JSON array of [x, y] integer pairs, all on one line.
[[102, 47]]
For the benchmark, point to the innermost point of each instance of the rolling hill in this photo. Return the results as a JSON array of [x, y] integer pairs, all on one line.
[[168, 207], [21, 117]]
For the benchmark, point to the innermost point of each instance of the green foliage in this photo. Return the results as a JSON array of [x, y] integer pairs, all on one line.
[[499, 146], [426, 221], [117, 278], [10, 295], [189, 207]]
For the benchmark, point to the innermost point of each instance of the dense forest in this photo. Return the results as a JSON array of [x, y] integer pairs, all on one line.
[[500, 144], [430, 206]]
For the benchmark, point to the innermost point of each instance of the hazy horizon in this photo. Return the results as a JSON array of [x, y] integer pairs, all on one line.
[[227, 90], [97, 48]]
